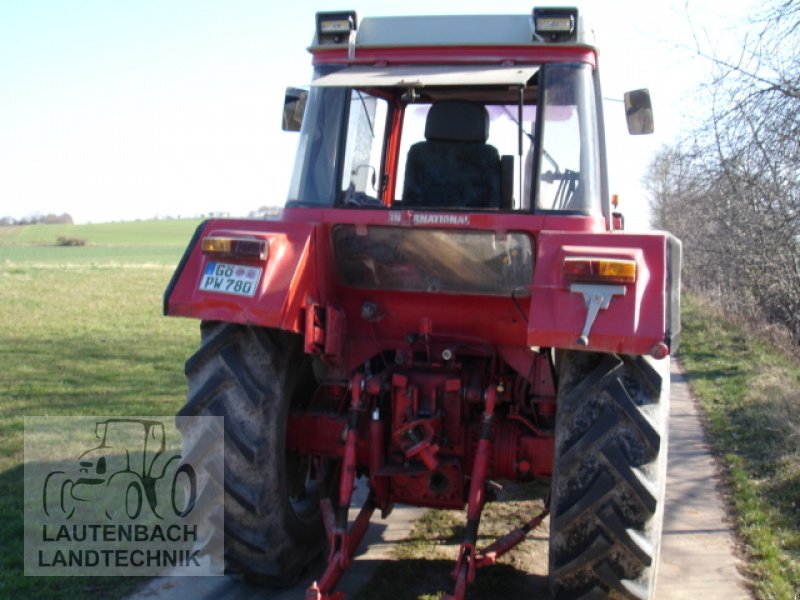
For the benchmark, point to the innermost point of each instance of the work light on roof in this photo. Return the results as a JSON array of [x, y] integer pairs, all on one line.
[[555, 24], [335, 27]]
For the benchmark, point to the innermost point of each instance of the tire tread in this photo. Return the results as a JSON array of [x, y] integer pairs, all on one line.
[[606, 489], [245, 374]]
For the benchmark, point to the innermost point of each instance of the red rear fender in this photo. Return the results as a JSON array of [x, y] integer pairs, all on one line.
[[643, 317], [279, 285]]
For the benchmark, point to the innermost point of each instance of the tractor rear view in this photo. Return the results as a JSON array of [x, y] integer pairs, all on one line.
[[446, 301]]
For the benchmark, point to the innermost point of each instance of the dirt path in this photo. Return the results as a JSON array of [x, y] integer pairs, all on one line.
[[697, 544], [375, 549], [697, 557]]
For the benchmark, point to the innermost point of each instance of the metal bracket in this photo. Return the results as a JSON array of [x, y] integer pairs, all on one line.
[[597, 298], [351, 45]]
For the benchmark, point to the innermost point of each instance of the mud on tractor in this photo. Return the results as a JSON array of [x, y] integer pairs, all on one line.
[[447, 300]]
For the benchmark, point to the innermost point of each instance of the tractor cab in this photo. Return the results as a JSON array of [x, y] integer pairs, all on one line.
[[400, 117]]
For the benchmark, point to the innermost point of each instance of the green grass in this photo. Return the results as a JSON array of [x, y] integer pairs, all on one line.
[[16, 258], [139, 244], [750, 393], [173, 232], [81, 333]]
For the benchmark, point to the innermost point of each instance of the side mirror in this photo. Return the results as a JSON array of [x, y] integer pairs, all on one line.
[[294, 105], [639, 112]]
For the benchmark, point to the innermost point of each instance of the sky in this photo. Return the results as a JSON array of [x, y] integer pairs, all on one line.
[[128, 110]]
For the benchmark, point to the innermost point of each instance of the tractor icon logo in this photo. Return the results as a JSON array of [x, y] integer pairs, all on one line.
[[127, 474]]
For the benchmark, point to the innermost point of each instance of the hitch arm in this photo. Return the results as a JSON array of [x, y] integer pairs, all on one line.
[[464, 572], [340, 561]]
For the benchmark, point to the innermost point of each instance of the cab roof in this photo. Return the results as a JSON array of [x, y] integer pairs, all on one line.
[[451, 30]]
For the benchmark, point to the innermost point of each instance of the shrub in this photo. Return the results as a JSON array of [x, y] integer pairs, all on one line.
[[70, 241]]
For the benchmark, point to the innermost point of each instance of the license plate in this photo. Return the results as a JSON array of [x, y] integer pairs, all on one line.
[[230, 279]]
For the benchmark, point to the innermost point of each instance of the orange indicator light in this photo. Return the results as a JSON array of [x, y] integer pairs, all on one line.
[[245, 248], [600, 270]]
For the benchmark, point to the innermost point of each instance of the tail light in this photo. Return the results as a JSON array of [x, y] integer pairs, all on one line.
[[599, 270], [233, 247]]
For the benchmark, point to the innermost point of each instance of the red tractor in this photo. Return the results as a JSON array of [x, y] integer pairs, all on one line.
[[446, 300]]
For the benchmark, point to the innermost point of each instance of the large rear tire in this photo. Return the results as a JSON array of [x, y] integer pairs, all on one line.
[[253, 377], [609, 475]]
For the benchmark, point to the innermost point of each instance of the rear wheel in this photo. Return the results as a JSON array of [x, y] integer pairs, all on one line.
[[253, 377], [609, 475]]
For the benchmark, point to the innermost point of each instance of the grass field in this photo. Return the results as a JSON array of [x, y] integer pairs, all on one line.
[[172, 232], [81, 332], [139, 244]]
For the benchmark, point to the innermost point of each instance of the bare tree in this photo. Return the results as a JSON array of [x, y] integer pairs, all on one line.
[[733, 193]]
